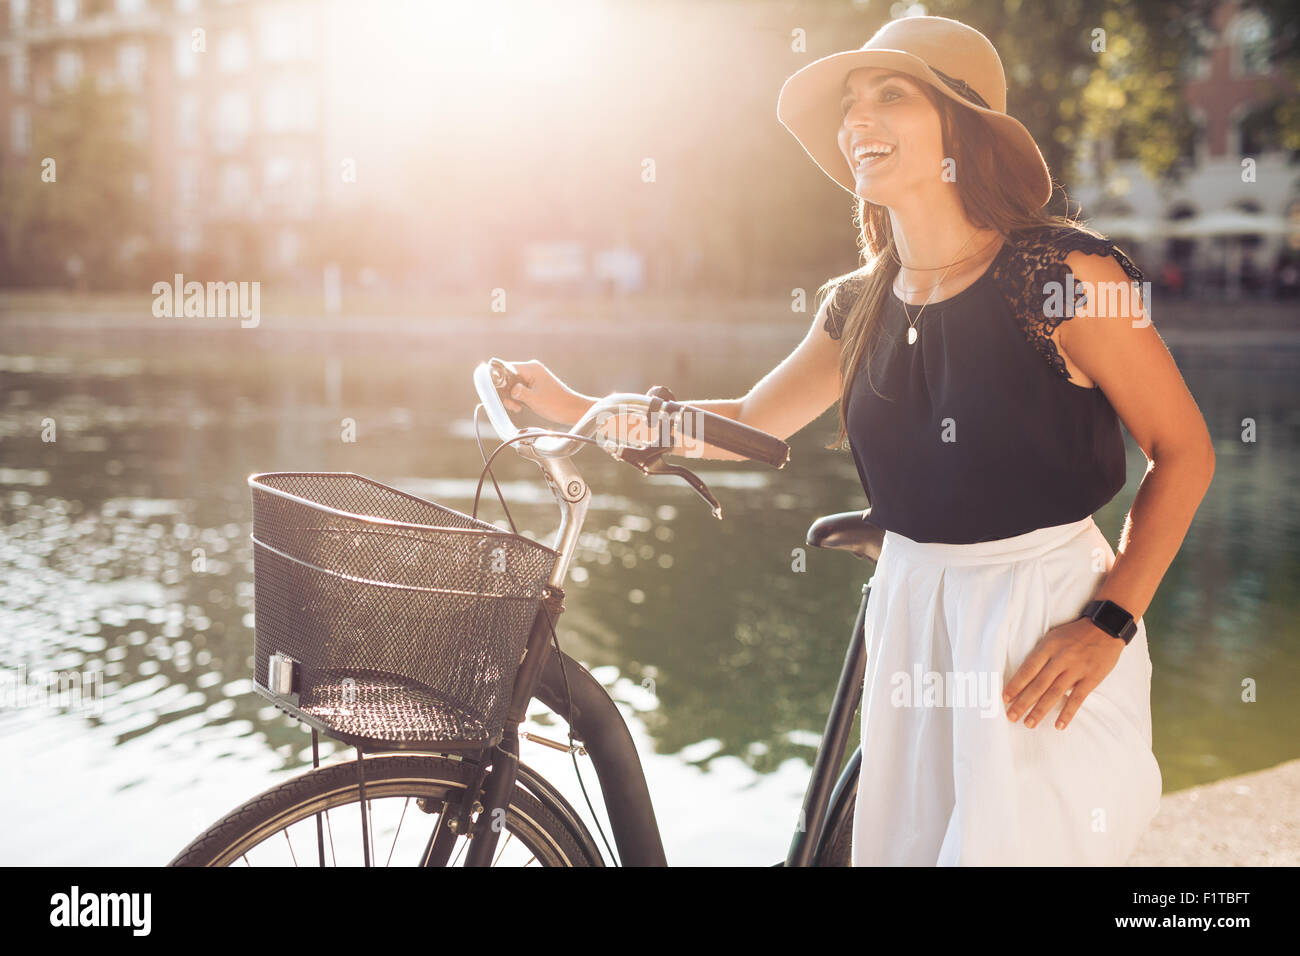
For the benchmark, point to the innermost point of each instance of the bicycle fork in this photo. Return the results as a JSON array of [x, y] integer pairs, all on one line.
[[500, 782]]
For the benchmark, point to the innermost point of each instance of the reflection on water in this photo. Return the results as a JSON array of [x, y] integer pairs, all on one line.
[[124, 554]]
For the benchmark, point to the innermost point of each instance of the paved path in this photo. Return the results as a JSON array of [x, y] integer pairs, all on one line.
[[1250, 820]]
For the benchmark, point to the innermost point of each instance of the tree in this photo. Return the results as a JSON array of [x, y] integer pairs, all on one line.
[[69, 208]]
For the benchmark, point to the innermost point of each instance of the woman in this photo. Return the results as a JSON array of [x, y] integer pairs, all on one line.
[[985, 429]]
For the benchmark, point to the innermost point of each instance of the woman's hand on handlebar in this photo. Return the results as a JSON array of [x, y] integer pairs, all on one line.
[[543, 392]]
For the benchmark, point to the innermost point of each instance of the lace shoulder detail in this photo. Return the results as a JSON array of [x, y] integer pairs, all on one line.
[[1036, 283], [841, 301]]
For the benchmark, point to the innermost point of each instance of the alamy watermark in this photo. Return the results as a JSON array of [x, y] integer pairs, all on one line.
[[130, 910], [217, 300], [982, 689], [1111, 299], [71, 690], [635, 427]]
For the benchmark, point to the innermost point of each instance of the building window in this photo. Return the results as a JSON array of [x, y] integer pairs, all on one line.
[[18, 72], [67, 67], [185, 6], [130, 65], [232, 51], [66, 11], [285, 34], [185, 60], [20, 130], [306, 194], [286, 248], [17, 14], [236, 184], [1258, 131], [130, 7], [187, 119], [1251, 44], [140, 185], [233, 121], [189, 239], [187, 182], [137, 123], [277, 175], [1193, 138], [288, 106], [1197, 64]]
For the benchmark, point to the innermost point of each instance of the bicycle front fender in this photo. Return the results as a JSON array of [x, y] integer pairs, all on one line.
[[596, 722]]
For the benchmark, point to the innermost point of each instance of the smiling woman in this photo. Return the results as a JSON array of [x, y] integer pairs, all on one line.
[[984, 450], [984, 459]]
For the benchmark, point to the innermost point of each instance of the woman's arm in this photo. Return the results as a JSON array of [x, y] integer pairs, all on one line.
[[1116, 345], [796, 392]]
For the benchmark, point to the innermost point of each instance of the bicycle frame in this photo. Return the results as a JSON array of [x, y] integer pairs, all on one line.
[[596, 720]]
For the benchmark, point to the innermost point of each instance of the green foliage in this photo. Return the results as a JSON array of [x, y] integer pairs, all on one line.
[[1079, 71], [69, 221]]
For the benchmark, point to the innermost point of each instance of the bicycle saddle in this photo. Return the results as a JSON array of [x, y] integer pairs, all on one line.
[[851, 531]]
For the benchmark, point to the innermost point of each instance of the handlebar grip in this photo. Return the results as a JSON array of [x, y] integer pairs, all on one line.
[[733, 436]]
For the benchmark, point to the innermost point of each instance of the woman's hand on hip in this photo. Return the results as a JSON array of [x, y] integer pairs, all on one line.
[[1072, 659]]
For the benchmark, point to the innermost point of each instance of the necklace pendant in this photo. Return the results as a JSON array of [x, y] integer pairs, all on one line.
[[911, 335]]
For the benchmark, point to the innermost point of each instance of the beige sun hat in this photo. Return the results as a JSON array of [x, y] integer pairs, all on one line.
[[954, 58]]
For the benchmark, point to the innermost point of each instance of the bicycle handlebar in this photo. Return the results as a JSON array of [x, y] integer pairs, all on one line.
[[496, 375]]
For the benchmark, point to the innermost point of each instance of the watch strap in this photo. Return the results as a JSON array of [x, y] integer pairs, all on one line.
[[1111, 618]]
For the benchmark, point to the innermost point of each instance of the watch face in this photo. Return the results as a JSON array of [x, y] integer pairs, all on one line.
[[1115, 620]]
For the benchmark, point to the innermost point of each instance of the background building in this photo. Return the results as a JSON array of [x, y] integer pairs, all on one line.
[[427, 147], [1228, 217], [225, 102]]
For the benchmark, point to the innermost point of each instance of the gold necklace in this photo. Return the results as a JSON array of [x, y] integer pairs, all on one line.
[[911, 326], [894, 256]]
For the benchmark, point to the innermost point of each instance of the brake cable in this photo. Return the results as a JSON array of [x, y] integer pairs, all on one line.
[[568, 693]]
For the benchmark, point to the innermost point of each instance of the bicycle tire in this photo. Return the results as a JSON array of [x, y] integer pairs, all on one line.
[[414, 776]]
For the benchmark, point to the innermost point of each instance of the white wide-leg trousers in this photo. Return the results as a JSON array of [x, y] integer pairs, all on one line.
[[946, 778]]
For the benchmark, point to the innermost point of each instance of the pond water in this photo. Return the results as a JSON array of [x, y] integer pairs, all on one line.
[[125, 557]]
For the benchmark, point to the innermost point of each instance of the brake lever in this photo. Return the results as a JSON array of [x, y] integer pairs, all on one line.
[[650, 461], [694, 481]]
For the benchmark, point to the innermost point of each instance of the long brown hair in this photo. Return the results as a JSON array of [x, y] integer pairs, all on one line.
[[993, 195]]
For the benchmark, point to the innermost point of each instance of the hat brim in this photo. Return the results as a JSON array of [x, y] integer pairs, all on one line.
[[808, 106]]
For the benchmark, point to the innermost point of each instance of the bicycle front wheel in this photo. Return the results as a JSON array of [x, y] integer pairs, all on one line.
[[412, 804]]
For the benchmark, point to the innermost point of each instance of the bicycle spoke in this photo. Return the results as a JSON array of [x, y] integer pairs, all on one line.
[[531, 838], [501, 851], [320, 841], [460, 851], [330, 827], [370, 828], [389, 861]]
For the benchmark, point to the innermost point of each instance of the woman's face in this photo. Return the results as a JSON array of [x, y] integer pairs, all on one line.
[[882, 109]]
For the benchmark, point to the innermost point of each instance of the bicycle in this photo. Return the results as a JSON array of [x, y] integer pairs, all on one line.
[[435, 722]]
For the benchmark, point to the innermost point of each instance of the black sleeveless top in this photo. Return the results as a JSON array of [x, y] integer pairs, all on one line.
[[985, 437]]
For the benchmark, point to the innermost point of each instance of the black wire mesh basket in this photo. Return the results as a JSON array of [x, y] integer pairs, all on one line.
[[385, 620]]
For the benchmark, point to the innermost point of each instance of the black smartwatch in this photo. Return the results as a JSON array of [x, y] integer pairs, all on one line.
[[1111, 618]]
